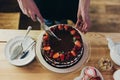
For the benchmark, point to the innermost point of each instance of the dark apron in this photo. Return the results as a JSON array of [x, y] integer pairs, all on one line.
[[58, 9]]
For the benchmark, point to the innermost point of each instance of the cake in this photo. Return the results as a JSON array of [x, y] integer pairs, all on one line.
[[62, 53]]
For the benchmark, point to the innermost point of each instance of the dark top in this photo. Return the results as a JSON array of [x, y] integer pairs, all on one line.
[[58, 9]]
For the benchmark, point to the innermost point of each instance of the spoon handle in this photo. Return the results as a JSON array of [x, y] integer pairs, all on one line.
[[28, 30], [26, 51]]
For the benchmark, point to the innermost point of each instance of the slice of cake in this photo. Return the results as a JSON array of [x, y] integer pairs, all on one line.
[[66, 52]]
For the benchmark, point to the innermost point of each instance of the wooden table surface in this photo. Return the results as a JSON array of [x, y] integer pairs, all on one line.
[[34, 71]]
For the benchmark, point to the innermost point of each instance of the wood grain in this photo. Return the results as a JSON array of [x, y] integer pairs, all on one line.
[[34, 71], [9, 20], [104, 15]]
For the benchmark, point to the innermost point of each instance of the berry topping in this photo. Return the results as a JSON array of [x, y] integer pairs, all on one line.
[[66, 27], [56, 55], [73, 53], [77, 37], [60, 27], [62, 56], [46, 48], [51, 53], [72, 32], [77, 43], [45, 37]]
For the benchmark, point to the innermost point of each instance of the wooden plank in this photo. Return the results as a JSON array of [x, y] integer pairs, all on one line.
[[35, 71], [111, 2], [97, 8], [9, 34], [9, 20], [113, 9], [105, 22]]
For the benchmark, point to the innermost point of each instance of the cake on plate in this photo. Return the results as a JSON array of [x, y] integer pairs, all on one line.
[[62, 53]]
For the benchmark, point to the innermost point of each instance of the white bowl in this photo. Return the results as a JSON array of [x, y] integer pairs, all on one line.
[[10, 46], [115, 54], [83, 71], [116, 75]]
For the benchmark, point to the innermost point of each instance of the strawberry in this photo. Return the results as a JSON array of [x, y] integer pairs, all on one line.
[[77, 37], [72, 32], [75, 48], [60, 27], [52, 29], [51, 53], [62, 56], [77, 43], [45, 37], [46, 48], [67, 56], [66, 27], [56, 55], [73, 53]]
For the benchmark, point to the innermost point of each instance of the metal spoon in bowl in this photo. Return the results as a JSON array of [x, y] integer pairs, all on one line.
[[46, 28], [26, 51], [18, 49]]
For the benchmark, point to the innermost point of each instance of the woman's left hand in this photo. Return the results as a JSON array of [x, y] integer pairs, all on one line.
[[83, 23]]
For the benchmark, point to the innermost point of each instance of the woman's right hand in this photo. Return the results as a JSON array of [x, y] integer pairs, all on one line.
[[30, 9]]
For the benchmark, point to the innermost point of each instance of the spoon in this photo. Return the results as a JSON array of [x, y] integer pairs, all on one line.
[[46, 28], [18, 49], [26, 51]]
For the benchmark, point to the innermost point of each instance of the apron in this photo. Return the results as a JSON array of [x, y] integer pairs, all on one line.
[[58, 9]]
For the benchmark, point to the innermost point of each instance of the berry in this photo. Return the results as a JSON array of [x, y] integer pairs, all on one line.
[[62, 56], [76, 48], [66, 27], [52, 29], [77, 43], [46, 48], [60, 27], [72, 32], [67, 56], [73, 53], [51, 53], [77, 37], [56, 55], [45, 37]]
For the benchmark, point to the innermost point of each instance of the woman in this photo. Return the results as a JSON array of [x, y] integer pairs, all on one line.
[[49, 10]]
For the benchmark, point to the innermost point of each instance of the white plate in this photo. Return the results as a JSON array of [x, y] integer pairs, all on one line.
[[10, 46], [58, 70], [83, 71], [116, 75]]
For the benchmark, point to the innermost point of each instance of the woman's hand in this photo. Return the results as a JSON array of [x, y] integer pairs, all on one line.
[[30, 9], [83, 23], [83, 20]]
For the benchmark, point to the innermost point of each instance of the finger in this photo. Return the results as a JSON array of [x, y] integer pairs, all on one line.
[[76, 25], [79, 25], [85, 28], [33, 17]]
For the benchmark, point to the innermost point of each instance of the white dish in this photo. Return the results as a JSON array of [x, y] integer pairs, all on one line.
[[114, 51], [10, 46], [58, 70], [83, 71], [116, 75]]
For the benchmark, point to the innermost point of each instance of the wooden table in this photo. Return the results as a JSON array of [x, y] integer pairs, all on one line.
[[34, 71]]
